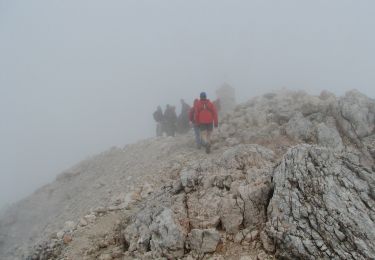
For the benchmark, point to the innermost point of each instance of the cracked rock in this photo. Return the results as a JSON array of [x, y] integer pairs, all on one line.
[[204, 240], [322, 206]]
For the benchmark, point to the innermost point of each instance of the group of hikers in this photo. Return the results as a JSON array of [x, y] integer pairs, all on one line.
[[202, 116], [169, 123]]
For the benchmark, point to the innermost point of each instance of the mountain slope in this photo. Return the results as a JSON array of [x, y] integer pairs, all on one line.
[[282, 166]]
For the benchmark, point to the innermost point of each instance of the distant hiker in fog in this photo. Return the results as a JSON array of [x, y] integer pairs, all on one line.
[[170, 120], [158, 116], [205, 115], [183, 118], [195, 125]]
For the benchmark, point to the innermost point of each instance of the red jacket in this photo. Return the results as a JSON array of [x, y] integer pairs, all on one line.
[[205, 112]]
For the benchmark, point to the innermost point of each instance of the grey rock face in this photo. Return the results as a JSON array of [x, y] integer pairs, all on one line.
[[231, 214], [359, 111], [322, 206], [159, 228], [168, 237], [204, 241], [299, 127], [329, 137], [255, 200], [227, 193]]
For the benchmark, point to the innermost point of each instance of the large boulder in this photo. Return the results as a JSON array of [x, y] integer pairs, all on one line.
[[323, 206], [329, 137], [254, 198], [161, 228], [299, 127], [203, 208], [359, 111], [168, 235]]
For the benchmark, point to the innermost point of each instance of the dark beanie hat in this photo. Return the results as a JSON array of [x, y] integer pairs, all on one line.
[[203, 95]]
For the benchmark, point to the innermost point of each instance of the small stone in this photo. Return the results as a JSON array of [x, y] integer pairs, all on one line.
[[251, 236], [117, 253], [90, 218], [239, 237], [67, 239], [216, 257], [69, 226], [341, 236], [268, 244], [103, 244], [105, 257], [100, 210], [83, 222], [146, 190], [60, 234], [262, 256]]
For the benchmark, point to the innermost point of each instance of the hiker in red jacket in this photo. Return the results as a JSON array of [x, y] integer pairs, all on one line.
[[206, 117], [195, 125]]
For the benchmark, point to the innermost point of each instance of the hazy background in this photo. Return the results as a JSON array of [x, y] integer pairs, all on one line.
[[77, 77]]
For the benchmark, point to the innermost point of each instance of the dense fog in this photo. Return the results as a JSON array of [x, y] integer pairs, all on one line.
[[77, 77]]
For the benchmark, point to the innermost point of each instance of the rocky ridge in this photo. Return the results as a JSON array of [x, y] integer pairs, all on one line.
[[291, 176]]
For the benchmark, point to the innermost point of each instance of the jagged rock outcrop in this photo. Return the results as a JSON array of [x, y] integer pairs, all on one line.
[[359, 113], [160, 228], [323, 206], [292, 117], [216, 197]]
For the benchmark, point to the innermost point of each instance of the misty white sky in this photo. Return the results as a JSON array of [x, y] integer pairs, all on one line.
[[77, 77]]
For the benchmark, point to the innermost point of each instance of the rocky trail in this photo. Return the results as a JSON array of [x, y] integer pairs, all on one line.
[[290, 176]]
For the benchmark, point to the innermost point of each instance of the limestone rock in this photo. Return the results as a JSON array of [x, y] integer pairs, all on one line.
[[359, 111], [147, 189], [231, 215], [299, 127], [67, 239], [83, 222], [160, 227], [255, 199], [322, 206], [189, 179], [168, 237], [60, 234], [90, 218], [105, 257], [204, 240], [69, 226], [268, 244], [246, 257], [329, 137]]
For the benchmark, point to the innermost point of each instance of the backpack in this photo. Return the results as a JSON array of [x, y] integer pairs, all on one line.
[[205, 107], [205, 112]]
